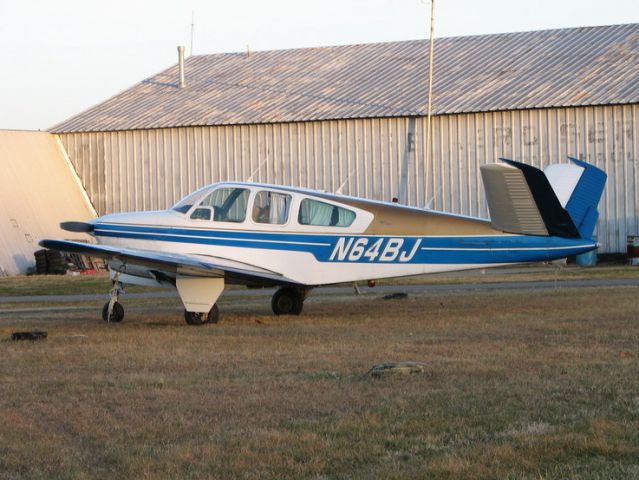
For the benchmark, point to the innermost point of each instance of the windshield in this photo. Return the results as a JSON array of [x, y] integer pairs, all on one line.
[[191, 199]]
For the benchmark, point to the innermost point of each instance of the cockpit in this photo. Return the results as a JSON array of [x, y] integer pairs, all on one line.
[[262, 205]]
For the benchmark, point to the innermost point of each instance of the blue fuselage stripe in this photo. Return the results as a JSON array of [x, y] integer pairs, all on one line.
[[351, 248]]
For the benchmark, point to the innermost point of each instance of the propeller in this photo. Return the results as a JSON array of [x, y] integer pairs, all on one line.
[[77, 227]]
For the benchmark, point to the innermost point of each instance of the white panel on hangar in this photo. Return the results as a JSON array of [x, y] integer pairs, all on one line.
[[39, 190]]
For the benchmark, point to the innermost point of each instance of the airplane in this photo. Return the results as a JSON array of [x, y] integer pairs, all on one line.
[[261, 235]]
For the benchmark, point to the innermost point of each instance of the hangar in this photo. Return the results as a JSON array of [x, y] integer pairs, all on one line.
[[352, 119]]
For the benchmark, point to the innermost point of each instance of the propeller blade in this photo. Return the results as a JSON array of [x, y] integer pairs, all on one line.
[[77, 227]]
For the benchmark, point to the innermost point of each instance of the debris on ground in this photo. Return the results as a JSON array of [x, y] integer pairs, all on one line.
[[50, 262], [396, 368], [395, 296], [33, 335]]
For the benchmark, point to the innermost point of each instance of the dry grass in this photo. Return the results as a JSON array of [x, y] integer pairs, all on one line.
[[523, 273], [56, 285], [519, 384], [100, 283]]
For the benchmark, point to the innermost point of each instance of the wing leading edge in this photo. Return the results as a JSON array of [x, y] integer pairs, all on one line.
[[172, 263]]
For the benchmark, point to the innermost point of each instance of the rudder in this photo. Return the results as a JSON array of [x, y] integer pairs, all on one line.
[[579, 187], [583, 202]]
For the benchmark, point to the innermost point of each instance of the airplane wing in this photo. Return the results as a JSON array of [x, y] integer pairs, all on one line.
[[173, 264]]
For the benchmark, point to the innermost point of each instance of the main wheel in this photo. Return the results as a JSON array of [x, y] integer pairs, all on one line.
[[287, 301], [117, 314], [200, 318]]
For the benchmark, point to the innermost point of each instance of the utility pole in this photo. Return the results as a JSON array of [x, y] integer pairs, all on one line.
[[430, 95]]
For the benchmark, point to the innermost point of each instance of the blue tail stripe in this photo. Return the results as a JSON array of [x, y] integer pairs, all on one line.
[[582, 206]]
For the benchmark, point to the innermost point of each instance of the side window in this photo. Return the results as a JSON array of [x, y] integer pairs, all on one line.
[[313, 212], [271, 207], [229, 204]]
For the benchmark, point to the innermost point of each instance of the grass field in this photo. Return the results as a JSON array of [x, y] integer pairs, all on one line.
[[93, 284], [518, 384]]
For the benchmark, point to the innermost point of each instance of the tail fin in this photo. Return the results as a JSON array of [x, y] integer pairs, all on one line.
[[523, 199], [581, 201]]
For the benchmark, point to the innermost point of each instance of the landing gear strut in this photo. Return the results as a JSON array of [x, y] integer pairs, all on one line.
[[113, 311], [288, 301], [200, 318]]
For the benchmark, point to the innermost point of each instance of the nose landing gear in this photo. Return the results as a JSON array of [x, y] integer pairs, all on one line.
[[113, 311]]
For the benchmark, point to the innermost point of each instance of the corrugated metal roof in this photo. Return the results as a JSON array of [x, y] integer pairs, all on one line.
[[551, 68]]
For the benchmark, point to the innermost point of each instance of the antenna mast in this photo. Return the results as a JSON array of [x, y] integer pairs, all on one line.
[[192, 28], [430, 92]]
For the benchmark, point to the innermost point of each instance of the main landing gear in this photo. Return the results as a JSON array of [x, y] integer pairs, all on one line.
[[113, 311], [200, 318], [288, 301]]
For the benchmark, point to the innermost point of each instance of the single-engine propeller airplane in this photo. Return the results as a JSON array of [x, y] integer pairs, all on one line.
[[296, 239]]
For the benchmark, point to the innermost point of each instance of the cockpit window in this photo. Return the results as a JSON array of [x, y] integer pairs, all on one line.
[[271, 207], [313, 212], [229, 204], [187, 202]]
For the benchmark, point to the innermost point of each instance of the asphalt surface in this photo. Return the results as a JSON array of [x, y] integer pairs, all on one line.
[[346, 290]]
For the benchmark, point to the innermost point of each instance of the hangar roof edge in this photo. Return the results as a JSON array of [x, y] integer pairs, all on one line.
[[508, 71]]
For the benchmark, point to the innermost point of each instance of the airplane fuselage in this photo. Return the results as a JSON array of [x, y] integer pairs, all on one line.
[[377, 240], [297, 239]]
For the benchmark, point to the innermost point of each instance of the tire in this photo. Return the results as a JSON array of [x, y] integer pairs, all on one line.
[[198, 318], [41, 262], [287, 301], [56, 264], [117, 315], [41, 267]]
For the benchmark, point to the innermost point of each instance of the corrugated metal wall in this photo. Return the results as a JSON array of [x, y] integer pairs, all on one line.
[[151, 169]]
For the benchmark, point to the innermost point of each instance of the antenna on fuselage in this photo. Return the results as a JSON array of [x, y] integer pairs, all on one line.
[[429, 203], [257, 169], [339, 190]]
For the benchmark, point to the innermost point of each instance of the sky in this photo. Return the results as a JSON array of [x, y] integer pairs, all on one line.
[[60, 57]]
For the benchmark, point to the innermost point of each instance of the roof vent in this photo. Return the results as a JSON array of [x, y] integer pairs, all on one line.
[[181, 63]]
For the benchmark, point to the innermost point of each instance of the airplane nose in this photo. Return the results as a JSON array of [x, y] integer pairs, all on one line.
[[83, 227]]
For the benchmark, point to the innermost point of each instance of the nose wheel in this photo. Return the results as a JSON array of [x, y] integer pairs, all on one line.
[[116, 313], [200, 318], [288, 301], [113, 311]]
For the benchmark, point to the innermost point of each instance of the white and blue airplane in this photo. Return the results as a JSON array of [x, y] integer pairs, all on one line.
[[296, 239]]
